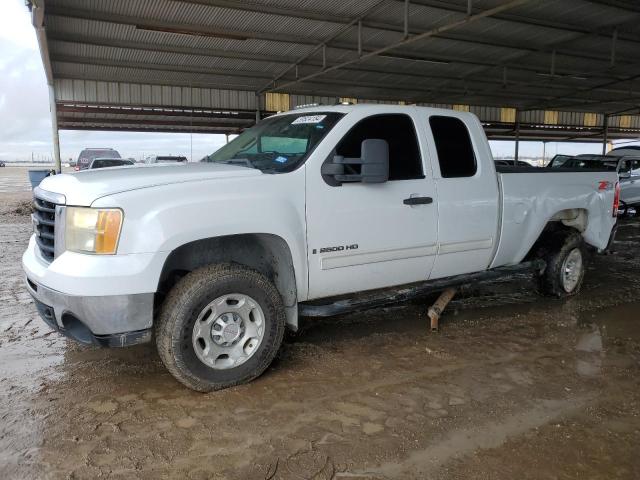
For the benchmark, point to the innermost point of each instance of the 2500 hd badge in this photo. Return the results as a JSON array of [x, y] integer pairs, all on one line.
[[353, 246]]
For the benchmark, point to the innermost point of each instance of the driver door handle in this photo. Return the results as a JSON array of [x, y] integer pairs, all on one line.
[[417, 200]]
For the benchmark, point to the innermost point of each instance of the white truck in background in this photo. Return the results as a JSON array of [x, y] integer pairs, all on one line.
[[217, 258]]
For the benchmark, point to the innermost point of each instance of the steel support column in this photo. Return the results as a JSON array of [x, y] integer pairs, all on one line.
[[515, 156], [605, 132], [54, 129]]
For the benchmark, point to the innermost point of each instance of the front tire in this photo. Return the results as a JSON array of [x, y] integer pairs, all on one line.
[[565, 267], [221, 325]]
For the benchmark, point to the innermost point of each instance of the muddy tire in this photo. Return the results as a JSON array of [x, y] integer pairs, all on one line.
[[220, 325], [565, 268]]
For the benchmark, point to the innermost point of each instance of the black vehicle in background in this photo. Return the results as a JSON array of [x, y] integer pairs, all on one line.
[[89, 154], [110, 162], [2, 164]]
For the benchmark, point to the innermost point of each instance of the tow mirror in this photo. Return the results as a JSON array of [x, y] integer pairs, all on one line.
[[371, 167]]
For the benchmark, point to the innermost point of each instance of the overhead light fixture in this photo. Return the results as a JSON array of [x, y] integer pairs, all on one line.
[[411, 58], [194, 33]]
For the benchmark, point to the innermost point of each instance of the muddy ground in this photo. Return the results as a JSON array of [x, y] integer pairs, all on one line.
[[513, 387]]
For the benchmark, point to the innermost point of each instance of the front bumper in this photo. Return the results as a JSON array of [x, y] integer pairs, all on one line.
[[79, 317]]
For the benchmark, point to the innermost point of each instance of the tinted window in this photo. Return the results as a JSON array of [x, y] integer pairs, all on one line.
[[110, 163], [453, 144], [404, 154]]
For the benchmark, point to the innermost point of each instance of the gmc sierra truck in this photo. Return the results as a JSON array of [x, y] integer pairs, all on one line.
[[297, 215]]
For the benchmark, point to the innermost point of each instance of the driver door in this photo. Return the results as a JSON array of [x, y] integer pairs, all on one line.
[[363, 236]]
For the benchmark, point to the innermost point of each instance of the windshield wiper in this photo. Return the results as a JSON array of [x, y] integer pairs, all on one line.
[[245, 162]]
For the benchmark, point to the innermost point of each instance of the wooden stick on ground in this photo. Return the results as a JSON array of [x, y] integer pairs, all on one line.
[[438, 307]]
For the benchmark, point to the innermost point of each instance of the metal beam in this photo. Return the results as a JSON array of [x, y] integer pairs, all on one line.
[[375, 24], [422, 36], [65, 107], [172, 27], [229, 54], [155, 122], [538, 22], [329, 83], [605, 133], [140, 128], [549, 103], [259, 74]]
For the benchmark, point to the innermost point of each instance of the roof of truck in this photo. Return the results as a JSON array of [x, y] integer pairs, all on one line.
[[372, 107]]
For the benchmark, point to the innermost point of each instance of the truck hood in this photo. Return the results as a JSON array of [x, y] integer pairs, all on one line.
[[83, 188]]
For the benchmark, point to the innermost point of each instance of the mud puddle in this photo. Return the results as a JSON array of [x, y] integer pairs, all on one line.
[[618, 321], [513, 386]]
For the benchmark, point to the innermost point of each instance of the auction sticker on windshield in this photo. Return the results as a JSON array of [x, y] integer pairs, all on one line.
[[308, 119]]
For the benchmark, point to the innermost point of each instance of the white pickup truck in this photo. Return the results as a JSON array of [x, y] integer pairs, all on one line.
[[216, 259]]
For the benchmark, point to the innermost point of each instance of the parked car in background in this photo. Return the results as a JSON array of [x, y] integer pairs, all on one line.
[[509, 163], [167, 159], [89, 154], [2, 164], [627, 167], [299, 215], [629, 150], [110, 162]]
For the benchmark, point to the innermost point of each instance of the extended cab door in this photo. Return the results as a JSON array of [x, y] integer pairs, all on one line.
[[366, 236], [468, 195]]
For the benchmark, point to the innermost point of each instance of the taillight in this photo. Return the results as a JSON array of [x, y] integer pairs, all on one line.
[[616, 199]]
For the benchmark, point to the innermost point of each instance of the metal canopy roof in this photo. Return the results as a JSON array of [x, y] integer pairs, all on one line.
[[208, 65]]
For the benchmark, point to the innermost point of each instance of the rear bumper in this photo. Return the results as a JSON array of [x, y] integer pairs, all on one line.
[[122, 320]]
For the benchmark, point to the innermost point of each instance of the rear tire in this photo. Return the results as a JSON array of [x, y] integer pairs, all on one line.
[[565, 267], [220, 325]]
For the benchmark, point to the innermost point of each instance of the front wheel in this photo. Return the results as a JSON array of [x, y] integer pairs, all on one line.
[[565, 267], [220, 326]]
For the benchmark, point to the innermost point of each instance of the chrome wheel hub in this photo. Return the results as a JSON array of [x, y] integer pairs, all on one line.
[[572, 270], [228, 331]]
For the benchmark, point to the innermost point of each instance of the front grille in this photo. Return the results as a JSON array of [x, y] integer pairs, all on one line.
[[45, 227]]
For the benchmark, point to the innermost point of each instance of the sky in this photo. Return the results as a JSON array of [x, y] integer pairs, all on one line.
[[25, 121]]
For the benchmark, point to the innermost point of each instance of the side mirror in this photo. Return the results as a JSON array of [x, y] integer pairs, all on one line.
[[624, 175], [371, 167]]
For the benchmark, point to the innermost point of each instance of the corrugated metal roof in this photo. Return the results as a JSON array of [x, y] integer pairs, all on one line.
[[537, 55]]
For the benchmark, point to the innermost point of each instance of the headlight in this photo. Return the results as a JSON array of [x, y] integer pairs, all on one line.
[[93, 230]]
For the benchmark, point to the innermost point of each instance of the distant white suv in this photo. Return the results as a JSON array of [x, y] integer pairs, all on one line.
[[167, 159], [297, 215]]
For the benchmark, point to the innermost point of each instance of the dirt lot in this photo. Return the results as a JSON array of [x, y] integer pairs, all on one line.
[[513, 387]]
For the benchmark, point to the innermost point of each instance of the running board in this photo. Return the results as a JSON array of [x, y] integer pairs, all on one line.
[[404, 293]]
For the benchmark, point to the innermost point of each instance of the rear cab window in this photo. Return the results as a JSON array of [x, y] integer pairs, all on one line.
[[456, 156]]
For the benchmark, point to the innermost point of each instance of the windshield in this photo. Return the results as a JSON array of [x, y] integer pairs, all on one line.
[[277, 144]]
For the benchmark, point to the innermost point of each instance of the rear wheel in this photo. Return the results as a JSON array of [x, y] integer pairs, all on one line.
[[565, 267], [221, 325]]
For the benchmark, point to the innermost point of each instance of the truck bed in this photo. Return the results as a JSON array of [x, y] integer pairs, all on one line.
[[532, 197]]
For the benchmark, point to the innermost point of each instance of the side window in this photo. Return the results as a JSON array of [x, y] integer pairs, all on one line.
[[398, 130], [453, 144], [635, 167], [625, 166]]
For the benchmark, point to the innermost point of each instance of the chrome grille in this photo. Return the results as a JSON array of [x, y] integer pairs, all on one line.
[[44, 221]]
